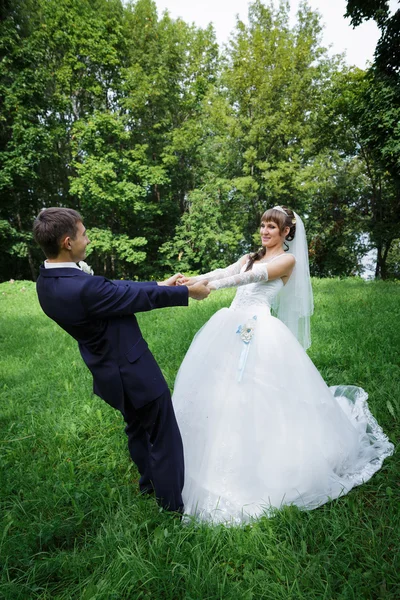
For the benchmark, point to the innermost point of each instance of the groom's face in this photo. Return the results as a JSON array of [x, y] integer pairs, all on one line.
[[77, 246]]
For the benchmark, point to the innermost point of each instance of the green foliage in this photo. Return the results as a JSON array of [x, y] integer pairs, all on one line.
[[360, 10], [260, 125], [359, 122], [95, 94], [60, 57], [113, 176], [146, 127], [272, 77], [387, 50], [393, 260], [107, 249], [72, 524], [378, 117], [207, 234]]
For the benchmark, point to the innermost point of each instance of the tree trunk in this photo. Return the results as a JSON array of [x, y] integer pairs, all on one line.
[[31, 264], [28, 250], [378, 262], [381, 261]]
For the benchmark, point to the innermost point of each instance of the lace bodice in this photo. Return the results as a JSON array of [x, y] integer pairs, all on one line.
[[259, 293]]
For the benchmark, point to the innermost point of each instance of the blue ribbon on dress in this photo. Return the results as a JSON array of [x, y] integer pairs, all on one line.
[[246, 332]]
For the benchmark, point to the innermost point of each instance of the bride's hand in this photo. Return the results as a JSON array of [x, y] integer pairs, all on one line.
[[172, 281], [183, 280]]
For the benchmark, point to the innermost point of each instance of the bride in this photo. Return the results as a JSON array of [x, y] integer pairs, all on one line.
[[260, 427]]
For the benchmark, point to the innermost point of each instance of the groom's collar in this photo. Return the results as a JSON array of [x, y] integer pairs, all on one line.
[[60, 265], [61, 272]]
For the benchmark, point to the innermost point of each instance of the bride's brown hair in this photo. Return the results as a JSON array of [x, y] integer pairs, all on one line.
[[280, 219]]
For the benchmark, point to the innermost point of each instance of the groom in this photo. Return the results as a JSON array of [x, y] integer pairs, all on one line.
[[99, 314]]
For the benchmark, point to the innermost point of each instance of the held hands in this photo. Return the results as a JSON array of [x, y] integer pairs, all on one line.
[[172, 281], [189, 281], [197, 291], [183, 280], [192, 281]]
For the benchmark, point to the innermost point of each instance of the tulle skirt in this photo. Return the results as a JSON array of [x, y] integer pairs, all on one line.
[[260, 427]]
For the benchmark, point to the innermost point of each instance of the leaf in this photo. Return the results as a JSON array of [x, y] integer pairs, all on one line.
[[90, 592], [391, 409]]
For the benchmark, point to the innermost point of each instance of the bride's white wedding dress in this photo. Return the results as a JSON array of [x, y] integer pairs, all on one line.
[[260, 427]]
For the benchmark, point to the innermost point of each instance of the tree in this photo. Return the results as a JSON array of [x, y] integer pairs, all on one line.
[[379, 118], [172, 151], [58, 60], [98, 111], [393, 261], [205, 238], [387, 53], [261, 128], [357, 112], [136, 163]]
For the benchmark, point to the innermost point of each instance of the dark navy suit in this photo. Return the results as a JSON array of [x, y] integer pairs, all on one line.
[[99, 314]]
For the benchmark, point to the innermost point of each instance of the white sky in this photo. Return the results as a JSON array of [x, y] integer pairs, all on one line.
[[359, 43]]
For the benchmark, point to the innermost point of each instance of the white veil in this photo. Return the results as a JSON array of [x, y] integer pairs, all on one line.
[[294, 304]]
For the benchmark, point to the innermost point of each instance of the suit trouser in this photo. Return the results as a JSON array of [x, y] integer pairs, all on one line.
[[155, 445]]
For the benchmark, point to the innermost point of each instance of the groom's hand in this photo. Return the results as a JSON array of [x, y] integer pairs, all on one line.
[[199, 291]]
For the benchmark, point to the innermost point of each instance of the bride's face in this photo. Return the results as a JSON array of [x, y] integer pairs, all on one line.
[[270, 234]]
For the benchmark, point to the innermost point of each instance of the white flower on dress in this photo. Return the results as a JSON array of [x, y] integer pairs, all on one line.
[[246, 331], [85, 267]]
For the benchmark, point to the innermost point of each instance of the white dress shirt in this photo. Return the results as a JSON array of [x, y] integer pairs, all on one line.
[[61, 265]]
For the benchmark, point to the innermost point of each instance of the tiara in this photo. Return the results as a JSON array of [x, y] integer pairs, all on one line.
[[280, 209], [284, 211]]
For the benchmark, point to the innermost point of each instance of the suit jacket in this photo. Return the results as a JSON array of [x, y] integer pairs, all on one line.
[[99, 314]]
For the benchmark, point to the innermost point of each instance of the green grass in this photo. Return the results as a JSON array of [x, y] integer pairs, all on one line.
[[73, 525]]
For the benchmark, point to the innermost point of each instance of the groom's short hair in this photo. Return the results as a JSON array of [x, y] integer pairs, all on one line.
[[52, 225]]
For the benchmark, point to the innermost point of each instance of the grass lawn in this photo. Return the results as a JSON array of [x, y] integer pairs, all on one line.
[[73, 525]]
